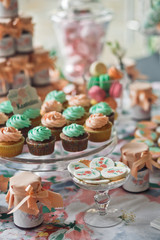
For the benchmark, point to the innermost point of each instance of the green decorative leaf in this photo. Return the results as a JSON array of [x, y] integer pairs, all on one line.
[[77, 228]]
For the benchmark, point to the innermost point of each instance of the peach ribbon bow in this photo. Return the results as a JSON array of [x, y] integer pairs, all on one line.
[[21, 25], [7, 30], [18, 66], [6, 3], [47, 198], [6, 74], [44, 61]]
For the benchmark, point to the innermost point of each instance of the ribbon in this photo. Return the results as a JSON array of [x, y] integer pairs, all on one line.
[[42, 62], [7, 29], [6, 74], [22, 65], [47, 198], [6, 3], [23, 24], [3, 183]]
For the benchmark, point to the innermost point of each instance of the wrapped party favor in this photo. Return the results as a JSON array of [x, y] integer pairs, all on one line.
[[27, 196], [137, 157], [8, 8], [6, 77]]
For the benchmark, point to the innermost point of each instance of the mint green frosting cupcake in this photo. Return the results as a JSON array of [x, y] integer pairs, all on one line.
[[18, 121], [74, 113], [101, 107], [6, 107], [59, 96], [32, 113], [73, 130], [39, 134]]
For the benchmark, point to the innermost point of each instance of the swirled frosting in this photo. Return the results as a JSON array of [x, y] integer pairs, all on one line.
[[10, 134], [74, 113], [73, 130], [6, 107], [79, 100], [53, 119], [97, 120], [32, 113], [50, 106], [101, 107], [18, 121], [59, 96], [3, 118], [39, 134]]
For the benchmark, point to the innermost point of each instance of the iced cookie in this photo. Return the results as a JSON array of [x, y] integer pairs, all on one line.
[[74, 166], [149, 142], [101, 162], [87, 173], [97, 182], [156, 119], [114, 173], [120, 164], [155, 152], [146, 133], [147, 124], [85, 161]]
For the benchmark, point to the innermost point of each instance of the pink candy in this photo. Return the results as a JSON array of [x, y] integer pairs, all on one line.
[[115, 90], [97, 93]]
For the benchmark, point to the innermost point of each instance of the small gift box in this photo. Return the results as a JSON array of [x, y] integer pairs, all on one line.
[[7, 34], [137, 157], [142, 99], [42, 63], [25, 28], [22, 70], [5, 77], [8, 8], [26, 196]]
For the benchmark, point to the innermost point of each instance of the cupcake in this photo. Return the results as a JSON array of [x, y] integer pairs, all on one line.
[[3, 119], [80, 100], [34, 116], [103, 108], [74, 138], [98, 127], [59, 96], [11, 142], [51, 105], [40, 141], [55, 121], [75, 115], [20, 122], [6, 107]]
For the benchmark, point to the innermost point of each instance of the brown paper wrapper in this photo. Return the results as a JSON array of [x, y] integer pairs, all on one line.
[[23, 23], [6, 28]]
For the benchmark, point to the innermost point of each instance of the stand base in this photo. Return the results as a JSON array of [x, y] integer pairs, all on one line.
[[93, 219]]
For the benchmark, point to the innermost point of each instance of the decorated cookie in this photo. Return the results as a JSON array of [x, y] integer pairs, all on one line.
[[87, 173], [158, 130], [146, 133], [85, 161], [101, 162], [114, 173], [74, 166], [155, 152], [149, 142], [119, 164], [97, 182], [147, 124], [156, 119]]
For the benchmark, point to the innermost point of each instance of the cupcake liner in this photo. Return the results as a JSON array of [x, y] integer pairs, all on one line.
[[11, 149]]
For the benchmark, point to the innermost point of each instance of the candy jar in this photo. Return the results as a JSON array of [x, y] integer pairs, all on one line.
[[80, 26], [27, 196], [24, 27], [8, 8]]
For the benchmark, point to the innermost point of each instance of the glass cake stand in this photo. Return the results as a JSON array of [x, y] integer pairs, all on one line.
[[102, 216], [59, 160]]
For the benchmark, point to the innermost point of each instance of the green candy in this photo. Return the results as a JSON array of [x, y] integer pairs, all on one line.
[[73, 130], [94, 81], [104, 82], [39, 134]]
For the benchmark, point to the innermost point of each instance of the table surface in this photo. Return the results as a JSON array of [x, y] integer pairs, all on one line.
[[68, 223]]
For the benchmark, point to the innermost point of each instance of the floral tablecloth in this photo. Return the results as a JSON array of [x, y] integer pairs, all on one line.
[[68, 223]]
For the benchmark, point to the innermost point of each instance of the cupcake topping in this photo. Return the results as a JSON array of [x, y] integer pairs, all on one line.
[[18, 121], [6, 107], [50, 106], [73, 130], [97, 120], [59, 96], [74, 113], [79, 100], [32, 113], [53, 119], [10, 134], [39, 134], [3, 118], [101, 107]]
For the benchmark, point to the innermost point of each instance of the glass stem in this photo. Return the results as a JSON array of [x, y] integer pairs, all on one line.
[[102, 200]]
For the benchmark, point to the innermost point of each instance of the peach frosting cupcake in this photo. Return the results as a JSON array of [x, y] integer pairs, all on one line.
[[3, 119], [55, 121], [98, 127], [50, 106], [80, 100], [11, 142]]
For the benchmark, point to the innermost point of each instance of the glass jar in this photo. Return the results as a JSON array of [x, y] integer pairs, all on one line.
[[80, 27]]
